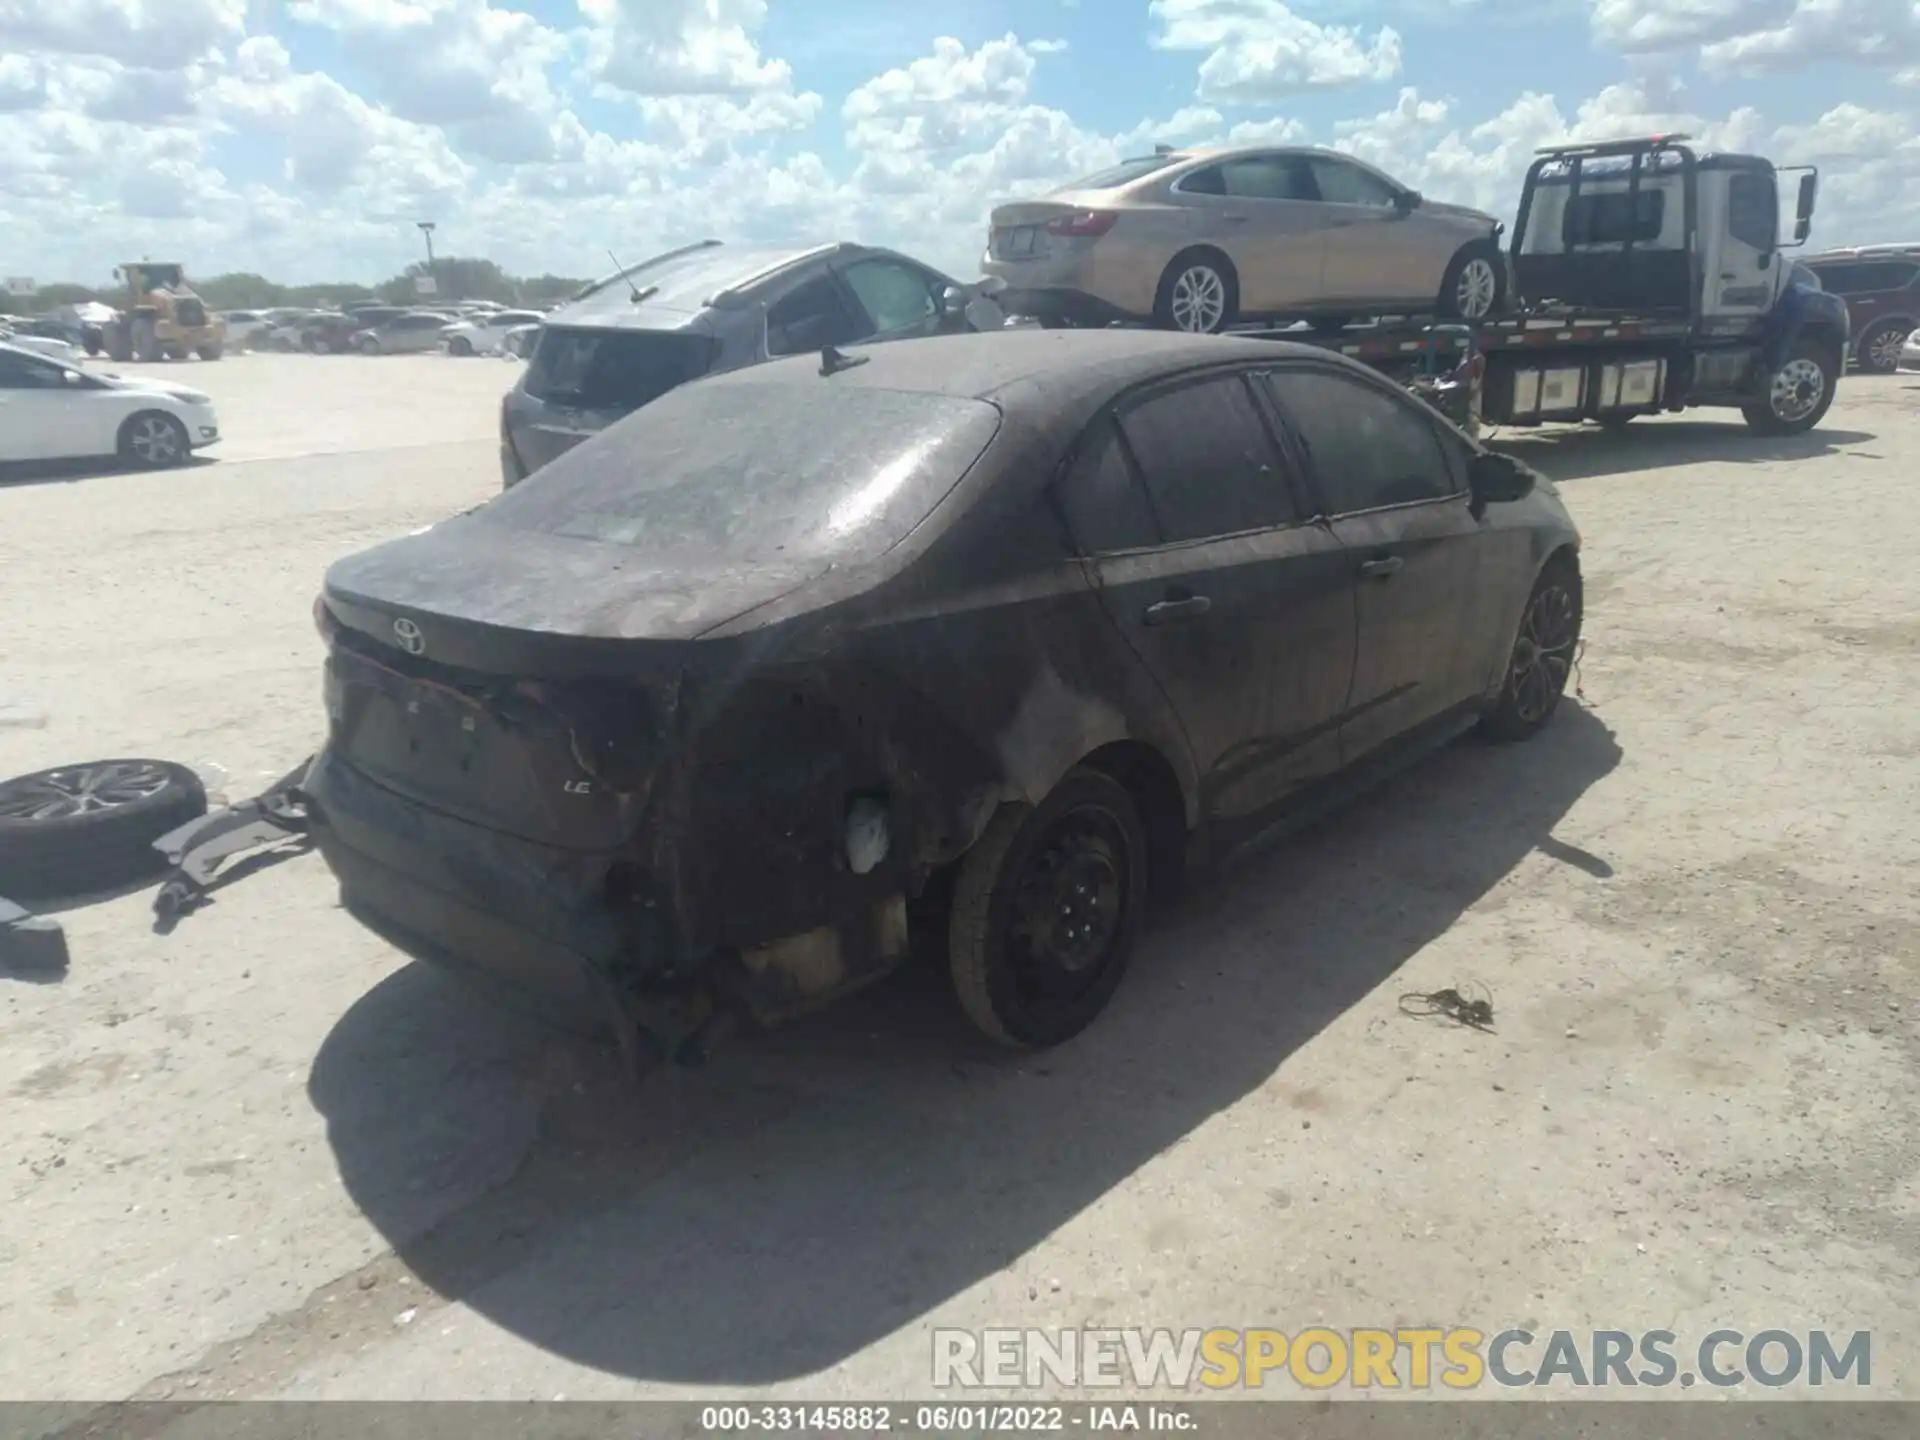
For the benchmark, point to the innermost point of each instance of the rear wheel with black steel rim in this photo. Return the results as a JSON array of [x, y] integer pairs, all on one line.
[[1542, 657], [1046, 909], [1799, 392]]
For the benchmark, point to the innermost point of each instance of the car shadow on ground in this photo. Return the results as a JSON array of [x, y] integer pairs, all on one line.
[[1579, 452], [819, 1187], [49, 472]]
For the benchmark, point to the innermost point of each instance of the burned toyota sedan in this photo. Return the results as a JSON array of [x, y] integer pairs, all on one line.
[[675, 730]]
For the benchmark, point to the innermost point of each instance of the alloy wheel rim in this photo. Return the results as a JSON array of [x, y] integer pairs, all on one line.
[[1474, 294], [1887, 347], [1543, 653], [1199, 300], [1797, 388], [81, 790], [154, 441]]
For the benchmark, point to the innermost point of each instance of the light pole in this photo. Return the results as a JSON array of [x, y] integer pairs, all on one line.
[[426, 232]]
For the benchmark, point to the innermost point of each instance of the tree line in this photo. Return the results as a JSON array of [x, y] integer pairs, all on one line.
[[455, 278]]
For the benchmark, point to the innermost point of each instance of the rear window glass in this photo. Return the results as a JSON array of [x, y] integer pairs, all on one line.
[[1125, 173], [614, 369], [729, 474], [1613, 218]]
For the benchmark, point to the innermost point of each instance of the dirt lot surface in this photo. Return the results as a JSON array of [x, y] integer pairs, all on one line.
[[263, 1155]]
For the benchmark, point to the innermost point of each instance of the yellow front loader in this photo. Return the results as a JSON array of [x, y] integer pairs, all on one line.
[[162, 318]]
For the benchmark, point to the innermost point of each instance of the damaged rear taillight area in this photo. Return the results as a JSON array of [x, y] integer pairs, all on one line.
[[565, 763]]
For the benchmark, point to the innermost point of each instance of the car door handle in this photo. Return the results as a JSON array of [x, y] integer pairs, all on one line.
[[1380, 569], [1186, 607]]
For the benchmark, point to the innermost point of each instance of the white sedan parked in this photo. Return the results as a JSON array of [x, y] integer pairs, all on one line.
[[482, 334], [62, 350], [54, 411]]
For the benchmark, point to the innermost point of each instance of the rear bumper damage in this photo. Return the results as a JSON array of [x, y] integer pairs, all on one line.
[[583, 940]]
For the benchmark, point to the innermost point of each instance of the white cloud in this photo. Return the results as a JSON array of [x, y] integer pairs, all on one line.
[[1259, 50], [681, 47], [1754, 36], [163, 34], [478, 70]]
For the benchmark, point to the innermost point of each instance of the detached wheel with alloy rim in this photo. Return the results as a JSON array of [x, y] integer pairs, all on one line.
[[1542, 656], [1475, 285], [79, 829], [1199, 293], [1878, 352], [1798, 393], [1046, 909], [153, 441]]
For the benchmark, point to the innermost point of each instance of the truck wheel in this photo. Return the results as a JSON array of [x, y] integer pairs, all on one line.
[[1046, 909], [1199, 293], [1878, 352], [85, 828], [1799, 391], [1475, 285]]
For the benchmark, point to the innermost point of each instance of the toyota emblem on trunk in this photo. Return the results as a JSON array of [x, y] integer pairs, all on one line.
[[409, 636]]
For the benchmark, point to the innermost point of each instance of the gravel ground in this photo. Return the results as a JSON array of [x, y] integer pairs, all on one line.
[[264, 1156]]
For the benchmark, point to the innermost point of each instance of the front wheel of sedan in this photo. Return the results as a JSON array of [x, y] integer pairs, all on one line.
[[154, 441], [1475, 286], [1046, 908], [1542, 657], [1199, 293]]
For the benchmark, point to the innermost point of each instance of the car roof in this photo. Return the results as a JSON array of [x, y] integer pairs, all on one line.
[[681, 284], [1027, 366], [1866, 252]]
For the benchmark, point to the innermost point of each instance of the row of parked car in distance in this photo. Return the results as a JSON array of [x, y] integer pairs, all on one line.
[[475, 328]]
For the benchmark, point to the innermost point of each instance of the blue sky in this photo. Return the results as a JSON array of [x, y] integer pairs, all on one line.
[[302, 136]]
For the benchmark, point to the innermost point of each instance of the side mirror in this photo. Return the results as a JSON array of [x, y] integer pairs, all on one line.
[[1408, 201], [1803, 206], [1498, 479]]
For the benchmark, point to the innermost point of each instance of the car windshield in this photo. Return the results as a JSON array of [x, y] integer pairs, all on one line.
[[739, 474], [1125, 173]]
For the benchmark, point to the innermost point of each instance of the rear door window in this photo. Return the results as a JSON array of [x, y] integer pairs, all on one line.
[[613, 369], [1209, 466], [812, 317]]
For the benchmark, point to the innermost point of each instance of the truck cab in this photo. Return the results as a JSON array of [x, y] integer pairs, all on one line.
[[1655, 278]]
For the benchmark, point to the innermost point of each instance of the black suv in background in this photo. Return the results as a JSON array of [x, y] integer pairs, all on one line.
[[1881, 285], [627, 340]]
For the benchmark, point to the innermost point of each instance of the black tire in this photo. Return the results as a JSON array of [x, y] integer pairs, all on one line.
[[1541, 659], [1482, 257], [1189, 266], [79, 848], [460, 346], [1791, 405], [154, 440], [369, 346], [1616, 419], [1086, 838], [211, 352], [1878, 351]]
